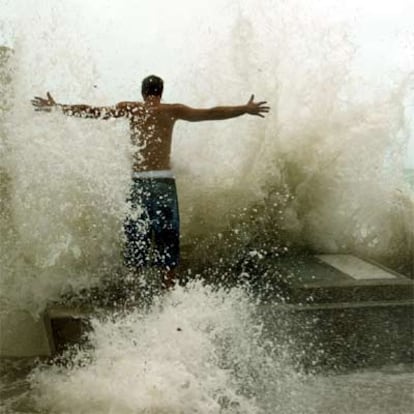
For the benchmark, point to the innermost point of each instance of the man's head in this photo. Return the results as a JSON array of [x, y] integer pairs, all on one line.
[[152, 86]]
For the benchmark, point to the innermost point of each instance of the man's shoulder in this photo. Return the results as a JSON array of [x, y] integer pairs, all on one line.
[[172, 108], [169, 105], [129, 104]]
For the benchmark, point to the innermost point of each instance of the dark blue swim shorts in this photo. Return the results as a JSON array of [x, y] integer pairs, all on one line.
[[152, 225]]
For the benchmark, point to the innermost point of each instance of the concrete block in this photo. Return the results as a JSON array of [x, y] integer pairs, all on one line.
[[22, 335]]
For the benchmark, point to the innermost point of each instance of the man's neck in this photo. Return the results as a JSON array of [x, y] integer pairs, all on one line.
[[152, 100]]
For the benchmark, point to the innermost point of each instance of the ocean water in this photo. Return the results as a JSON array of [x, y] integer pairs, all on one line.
[[324, 172]]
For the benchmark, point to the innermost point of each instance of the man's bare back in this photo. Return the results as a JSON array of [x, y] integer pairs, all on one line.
[[151, 125]]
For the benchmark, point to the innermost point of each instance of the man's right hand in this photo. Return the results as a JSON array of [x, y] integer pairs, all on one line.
[[42, 104]]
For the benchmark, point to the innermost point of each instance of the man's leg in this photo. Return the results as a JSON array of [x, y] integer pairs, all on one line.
[[169, 279], [166, 226], [137, 228], [167, 255]]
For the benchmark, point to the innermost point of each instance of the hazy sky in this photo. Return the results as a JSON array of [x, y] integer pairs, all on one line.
[[116, 33]]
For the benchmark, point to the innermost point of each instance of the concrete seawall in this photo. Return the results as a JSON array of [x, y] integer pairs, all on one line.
[[341, 312]]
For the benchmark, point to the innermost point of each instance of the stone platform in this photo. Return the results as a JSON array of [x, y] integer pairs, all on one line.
[[343, 312], [340, 312]]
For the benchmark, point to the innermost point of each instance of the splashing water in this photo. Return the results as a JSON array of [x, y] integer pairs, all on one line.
[[211, 358], [324, 172], [176, 358]]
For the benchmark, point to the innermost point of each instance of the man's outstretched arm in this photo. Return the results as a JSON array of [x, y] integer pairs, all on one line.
[[80, 111], [217, 113]]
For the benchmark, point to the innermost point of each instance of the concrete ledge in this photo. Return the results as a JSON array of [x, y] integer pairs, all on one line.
[[351, 292], [332, 319], [67, 326], [315, 279], [22, 335], [344, 312], [346, 305], [345, 335]]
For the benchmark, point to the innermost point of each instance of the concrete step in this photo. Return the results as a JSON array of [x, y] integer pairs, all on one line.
[[343, 312], [342, 279], [68, 325], [23, 335], [343, 336]]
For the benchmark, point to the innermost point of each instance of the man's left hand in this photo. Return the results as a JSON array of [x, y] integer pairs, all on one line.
[[42, 104]]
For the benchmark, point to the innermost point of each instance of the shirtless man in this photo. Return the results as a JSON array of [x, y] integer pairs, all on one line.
[[152, 227]]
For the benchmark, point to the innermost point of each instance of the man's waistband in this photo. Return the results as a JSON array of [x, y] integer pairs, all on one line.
[[153, 174]]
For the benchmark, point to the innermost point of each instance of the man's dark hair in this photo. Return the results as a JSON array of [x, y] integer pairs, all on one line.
[[152, 86]]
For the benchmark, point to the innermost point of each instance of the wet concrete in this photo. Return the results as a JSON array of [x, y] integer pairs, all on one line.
[[338, 317], [332, 312]]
